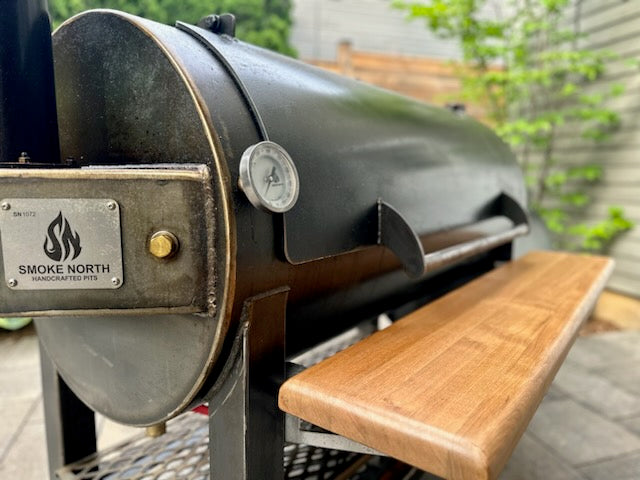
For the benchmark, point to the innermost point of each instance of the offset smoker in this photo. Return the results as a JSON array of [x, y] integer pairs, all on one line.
[[157, 118], [162, 284]]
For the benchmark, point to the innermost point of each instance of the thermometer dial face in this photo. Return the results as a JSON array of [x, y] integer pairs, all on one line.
[[269, 177]]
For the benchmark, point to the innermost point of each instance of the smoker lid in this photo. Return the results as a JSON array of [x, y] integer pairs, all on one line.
[[353, 144]]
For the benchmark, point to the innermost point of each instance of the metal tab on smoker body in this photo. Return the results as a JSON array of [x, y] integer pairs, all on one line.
[[61, 243], [76, 241]]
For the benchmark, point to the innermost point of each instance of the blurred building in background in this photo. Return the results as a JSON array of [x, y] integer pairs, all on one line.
[[369, 25]]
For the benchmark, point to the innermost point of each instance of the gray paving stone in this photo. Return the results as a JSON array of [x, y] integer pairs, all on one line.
[[21, 382], [27, 457], [599, 351], [624, 374], [19, 364], [12, 416], [37, 414], [629, 339], [579, 435], [632, 424], [597, 392], [20, 350], [554, 393], [626, 467], [532, 461]]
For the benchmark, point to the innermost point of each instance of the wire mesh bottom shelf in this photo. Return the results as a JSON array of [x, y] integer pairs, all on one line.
[[183, 453]]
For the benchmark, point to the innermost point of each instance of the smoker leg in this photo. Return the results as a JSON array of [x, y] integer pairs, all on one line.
[[246, 427], [70, 424]]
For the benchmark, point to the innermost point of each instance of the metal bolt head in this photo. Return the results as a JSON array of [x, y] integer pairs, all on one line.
[[156, 430], [111, 205], [163, 244], [115, 281], [12, 282], [5, 206]]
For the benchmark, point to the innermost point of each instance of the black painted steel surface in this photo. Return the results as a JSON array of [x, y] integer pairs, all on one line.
[[134, 92], [354, 143], [27, 104]]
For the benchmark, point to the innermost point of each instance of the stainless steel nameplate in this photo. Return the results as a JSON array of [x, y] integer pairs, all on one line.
[[61, 244]]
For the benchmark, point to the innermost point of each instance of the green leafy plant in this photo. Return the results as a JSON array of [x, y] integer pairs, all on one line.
[[266, 23], [524, 61]]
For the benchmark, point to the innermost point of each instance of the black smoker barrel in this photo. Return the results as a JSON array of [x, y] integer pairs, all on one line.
[[27, 104], [158, 119]]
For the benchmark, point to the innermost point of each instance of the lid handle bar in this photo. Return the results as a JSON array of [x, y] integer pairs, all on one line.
[[395, 233]]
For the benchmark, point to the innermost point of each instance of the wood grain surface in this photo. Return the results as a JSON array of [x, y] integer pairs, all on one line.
[[451, 387]]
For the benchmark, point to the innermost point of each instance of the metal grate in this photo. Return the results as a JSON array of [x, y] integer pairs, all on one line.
[[336, 344], [313, 463], [183, 453]]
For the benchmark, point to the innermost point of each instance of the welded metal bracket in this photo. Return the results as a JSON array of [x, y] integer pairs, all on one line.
[[246, 427], [224, 24], [301, 432], [70, 424], [395, 233], [247, 430]]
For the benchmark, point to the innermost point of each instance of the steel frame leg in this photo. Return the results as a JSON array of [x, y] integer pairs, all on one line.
[[246, 427], [70, 424]]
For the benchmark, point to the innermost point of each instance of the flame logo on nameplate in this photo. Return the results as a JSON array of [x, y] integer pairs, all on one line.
[[61, 241]]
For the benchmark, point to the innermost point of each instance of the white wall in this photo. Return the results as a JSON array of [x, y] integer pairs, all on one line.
[[370, 25]]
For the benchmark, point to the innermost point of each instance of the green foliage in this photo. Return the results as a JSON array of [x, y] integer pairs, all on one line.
[[524, 60], [262, 22], [597, 237]]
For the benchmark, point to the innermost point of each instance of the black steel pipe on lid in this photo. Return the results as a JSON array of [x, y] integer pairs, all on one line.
[[28, 120]]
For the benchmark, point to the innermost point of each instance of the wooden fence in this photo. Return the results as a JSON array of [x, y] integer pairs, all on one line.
[[432, 81]]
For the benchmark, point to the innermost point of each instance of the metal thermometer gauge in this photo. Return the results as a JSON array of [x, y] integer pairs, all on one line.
[[269, 177]]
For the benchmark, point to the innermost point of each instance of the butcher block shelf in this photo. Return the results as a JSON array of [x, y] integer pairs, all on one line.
[[451, 387]]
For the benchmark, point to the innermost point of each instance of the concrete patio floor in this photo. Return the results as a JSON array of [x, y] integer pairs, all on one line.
[[587, 427]]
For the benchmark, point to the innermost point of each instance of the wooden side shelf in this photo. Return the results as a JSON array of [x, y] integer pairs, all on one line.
[[451, 387]]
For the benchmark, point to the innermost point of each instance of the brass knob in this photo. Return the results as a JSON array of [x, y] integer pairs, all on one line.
[[163, 244], [156, 430]]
